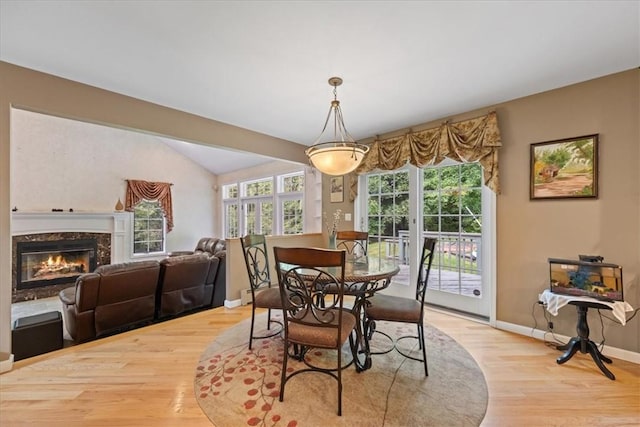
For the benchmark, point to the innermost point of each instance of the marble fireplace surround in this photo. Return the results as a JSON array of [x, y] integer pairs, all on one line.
[[112, 230]]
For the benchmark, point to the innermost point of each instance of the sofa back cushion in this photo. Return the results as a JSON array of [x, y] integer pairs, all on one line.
[[126, 296], [182, 283], [202, 244]]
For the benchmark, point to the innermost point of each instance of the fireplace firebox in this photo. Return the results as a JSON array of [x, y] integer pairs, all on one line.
[[46, 263]]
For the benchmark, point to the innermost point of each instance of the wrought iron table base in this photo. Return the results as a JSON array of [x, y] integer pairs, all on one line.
[[582, 341]]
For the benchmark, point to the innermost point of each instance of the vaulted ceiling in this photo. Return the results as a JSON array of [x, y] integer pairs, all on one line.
[[264, 65]]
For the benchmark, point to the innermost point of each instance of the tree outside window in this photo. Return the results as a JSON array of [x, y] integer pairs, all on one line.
[[148, 227], [273, 205]]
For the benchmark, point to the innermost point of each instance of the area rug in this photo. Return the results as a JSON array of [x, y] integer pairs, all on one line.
[[236, 386]]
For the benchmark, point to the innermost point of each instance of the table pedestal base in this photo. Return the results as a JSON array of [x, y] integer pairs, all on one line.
[[583, 343]]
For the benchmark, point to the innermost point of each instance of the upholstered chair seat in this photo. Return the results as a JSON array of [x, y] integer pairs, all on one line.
[[394, 309], [267, 298], [310, 322], [309, 335], [263, 295], [391, 308]]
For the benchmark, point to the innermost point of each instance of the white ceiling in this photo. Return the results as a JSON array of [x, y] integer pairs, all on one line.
[[264, 65]]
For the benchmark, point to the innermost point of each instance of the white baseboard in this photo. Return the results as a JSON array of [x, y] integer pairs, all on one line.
[[6, 362], [232, 303], [618, 353]]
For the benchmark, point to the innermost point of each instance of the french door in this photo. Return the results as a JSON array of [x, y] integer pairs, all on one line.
[[399, 208]]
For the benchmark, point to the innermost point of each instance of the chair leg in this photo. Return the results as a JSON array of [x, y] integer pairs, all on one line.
[[268, 319], [283, 375], [253, 317], [423, 345], [339, 381]]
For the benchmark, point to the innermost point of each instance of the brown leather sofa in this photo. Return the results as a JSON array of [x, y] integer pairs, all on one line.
[[112, 298], [122, 296], [212, 247], [186, 283], [206, 245]]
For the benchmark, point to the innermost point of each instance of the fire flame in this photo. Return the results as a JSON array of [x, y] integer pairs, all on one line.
[[57, 265], [58, 262]]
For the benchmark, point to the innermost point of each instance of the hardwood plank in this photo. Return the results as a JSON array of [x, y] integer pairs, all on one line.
[[145, 377]]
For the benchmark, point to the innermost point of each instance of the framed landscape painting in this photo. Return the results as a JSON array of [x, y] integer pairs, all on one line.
[[564, 169], [337, 191]]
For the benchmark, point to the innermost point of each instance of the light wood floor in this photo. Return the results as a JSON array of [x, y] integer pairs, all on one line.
[[145, 378]]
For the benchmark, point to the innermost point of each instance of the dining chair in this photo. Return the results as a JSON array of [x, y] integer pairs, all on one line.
[[303, 275], [390, 308], [263, 294], [354, 242]]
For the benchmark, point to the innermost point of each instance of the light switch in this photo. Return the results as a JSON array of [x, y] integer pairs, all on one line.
[[347, 216]]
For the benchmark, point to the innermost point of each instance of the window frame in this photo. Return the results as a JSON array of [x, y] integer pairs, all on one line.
[[277, 197], [163, 230]]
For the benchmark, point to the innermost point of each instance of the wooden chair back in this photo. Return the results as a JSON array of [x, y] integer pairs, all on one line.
[[353, 242], [305, 277]]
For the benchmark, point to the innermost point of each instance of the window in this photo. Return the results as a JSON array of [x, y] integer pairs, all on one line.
[[291, 216], [388, 213], [231, 215], [273, 205], [148, 228], [290, 201], [257, 206], [452, 212]]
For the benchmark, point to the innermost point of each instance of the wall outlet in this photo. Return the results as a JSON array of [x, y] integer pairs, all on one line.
[[347, 217]]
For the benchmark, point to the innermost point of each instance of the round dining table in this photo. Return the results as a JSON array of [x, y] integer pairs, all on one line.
[[363, 277]]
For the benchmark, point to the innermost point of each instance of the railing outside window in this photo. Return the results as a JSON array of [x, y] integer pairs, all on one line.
[[453, 250]]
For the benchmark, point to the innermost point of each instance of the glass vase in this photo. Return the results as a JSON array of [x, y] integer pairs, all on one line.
[[332, 241]]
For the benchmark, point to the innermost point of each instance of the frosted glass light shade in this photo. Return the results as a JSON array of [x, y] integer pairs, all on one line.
[[336, 158]]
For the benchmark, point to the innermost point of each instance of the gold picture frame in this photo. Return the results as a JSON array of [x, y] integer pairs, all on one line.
[[564, 169]]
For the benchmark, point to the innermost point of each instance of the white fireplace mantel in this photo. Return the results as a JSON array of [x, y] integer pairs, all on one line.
[[118, 224]]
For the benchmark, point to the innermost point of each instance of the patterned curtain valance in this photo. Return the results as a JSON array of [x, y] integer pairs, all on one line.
[[160, 191], [466, 141]]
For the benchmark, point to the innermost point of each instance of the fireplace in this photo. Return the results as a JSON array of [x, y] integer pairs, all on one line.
[[43, 264], [47, 263], [111, 230]]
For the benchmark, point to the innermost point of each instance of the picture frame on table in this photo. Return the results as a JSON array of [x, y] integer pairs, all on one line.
[[337, 189], [564, 168]]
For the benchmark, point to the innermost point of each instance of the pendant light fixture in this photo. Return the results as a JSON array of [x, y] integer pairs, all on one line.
[[336, 153]]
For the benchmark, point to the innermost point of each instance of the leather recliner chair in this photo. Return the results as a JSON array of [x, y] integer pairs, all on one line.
[[213, 247], [183, 284], [114, 297]]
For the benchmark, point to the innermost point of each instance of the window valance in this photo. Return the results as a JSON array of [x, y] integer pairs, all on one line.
[[160, 191], [471, 140]]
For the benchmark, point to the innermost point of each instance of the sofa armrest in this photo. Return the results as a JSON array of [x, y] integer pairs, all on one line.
[[86, 292], [68, 296]]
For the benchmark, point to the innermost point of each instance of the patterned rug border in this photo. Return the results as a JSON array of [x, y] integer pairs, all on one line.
[[438, 400]]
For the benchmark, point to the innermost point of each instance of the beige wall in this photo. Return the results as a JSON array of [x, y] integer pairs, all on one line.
[[62, 163], [30, 90], [528, 232]]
